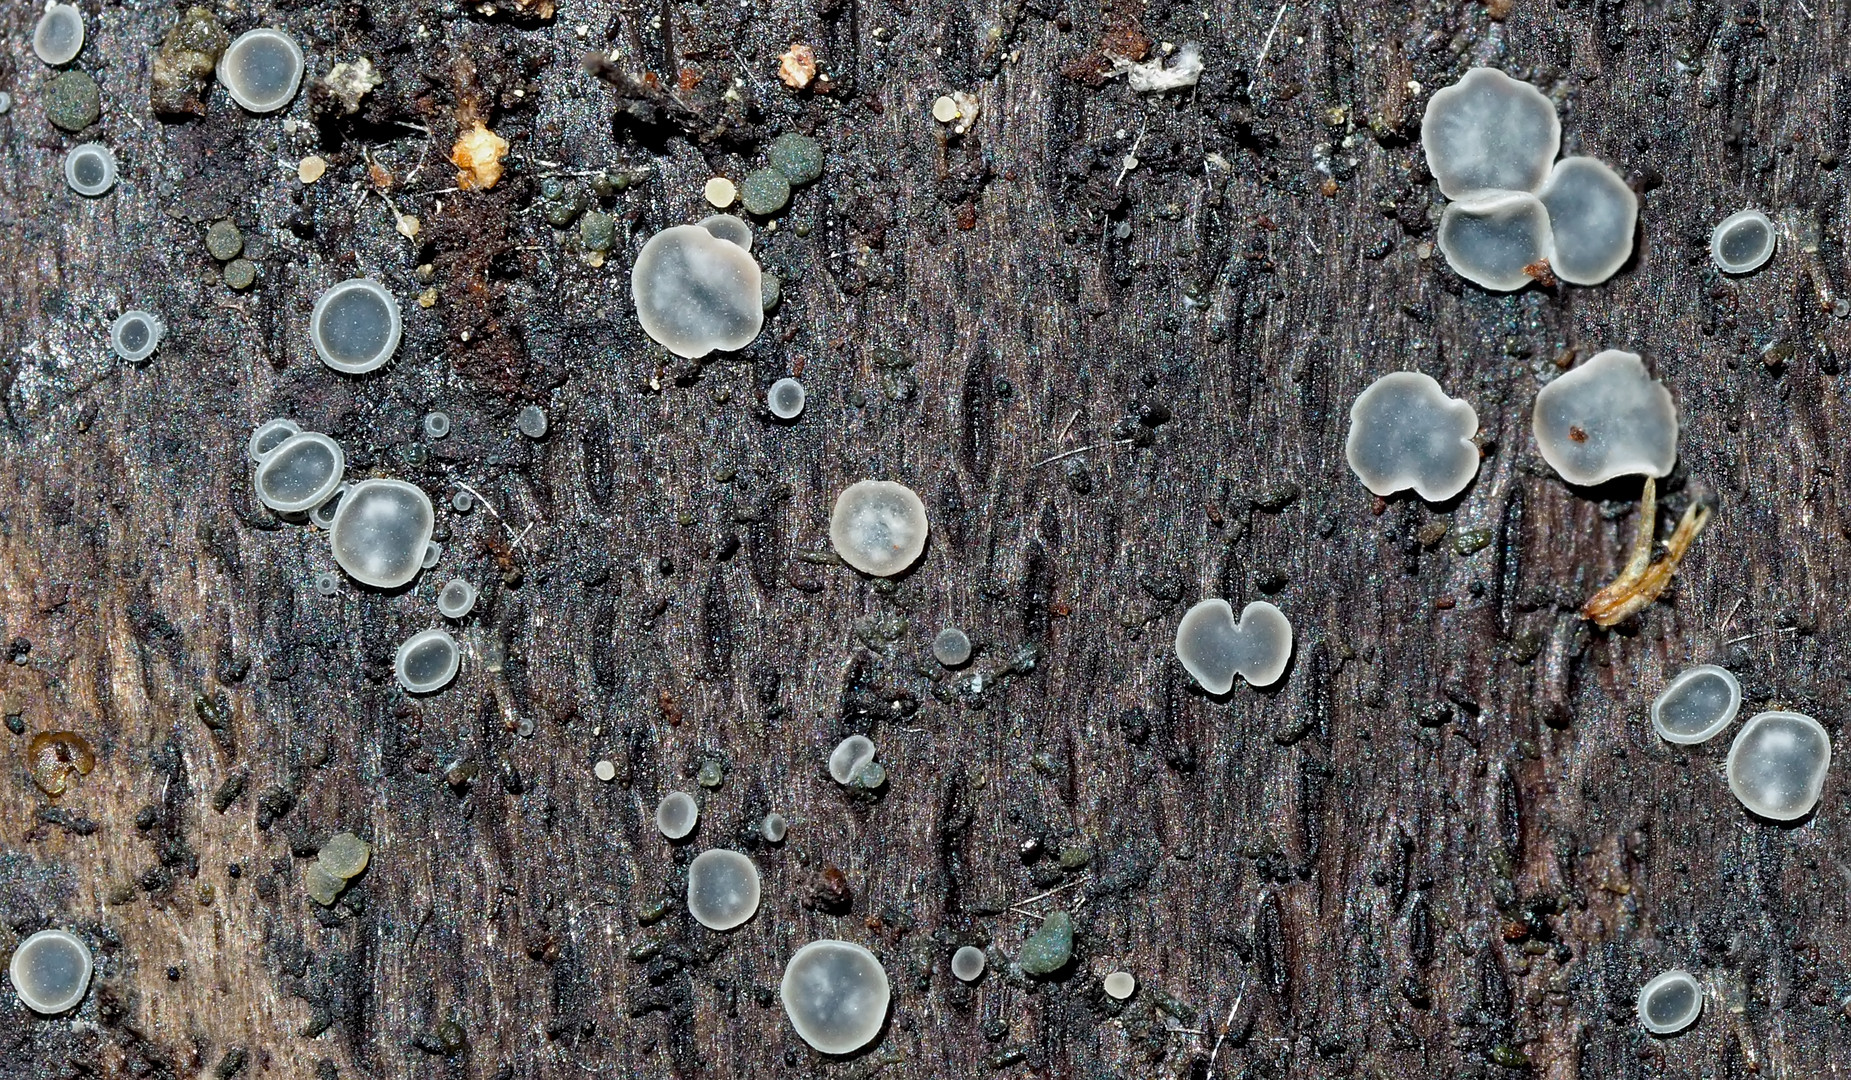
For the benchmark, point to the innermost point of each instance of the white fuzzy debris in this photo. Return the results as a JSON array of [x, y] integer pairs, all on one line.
[[1151, 77]]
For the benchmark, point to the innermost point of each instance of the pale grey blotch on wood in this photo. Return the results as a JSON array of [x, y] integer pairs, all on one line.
[[1778, 763], [836, 995], [1214, 647], [1697, 705], [1496, 240], [1592, 215], [1406, 433], [1489, 132], [696, 292], [1604, 419], [1670, 1002]]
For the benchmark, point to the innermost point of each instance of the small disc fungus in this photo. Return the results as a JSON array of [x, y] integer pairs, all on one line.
[[878, 527], [355, 326], [1670, 1002], [531, 421], [1120, 985], [764, 191], [849, 758], [1697, 705], [427, 661], [51, 971], [696, 292], [436, 425], [1406, 433], [1214, 647], [967, 963], [327, 583], [299, 474], [380, 530], [722, 889], [677, 814], [59, 35], [604, 769], [462, 502], [1777, 764], [719, 192], [1497, 240], [433, 551], [773, 827], [785, 399], [727, 227], [951, 647], [836, 995], [135, 335], [1604, 419], [1488, 132], [261, 70], [90, 169], [6, 103], [1743, 242], [322, 517], [456, 598], [1592, 214]]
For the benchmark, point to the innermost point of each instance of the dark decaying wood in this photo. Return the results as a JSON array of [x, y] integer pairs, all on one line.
[[1446, 845]]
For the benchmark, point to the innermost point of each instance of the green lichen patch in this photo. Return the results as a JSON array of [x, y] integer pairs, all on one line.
[[72, 101], [1048, 949]]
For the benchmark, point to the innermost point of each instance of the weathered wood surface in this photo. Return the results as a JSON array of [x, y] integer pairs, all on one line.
[[1381, 898]]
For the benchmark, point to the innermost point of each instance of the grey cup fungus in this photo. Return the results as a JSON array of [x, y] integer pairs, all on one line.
[[1697, 705], [300, 473], [59, 35], [1406, 433], [135, 335], [1778, 763], [355, 326], [696, 292], [1489, 132], [785, 399], [1592, 215], [723, 889], [1605, 419], [836, 995], [878, 527], [951, 648], [849, 758], [51, 971], [380, 531], [1670, 1002], [261, 70], [677, 814], [968, 963], [427, 661], [773, 827], [729, 228], [268, 436], [322, 517], [1496, 240], [1743, 242], [1214, 647], [90, 169], [456, 598]]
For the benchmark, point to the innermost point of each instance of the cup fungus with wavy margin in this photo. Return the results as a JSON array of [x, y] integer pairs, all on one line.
[[696, 292], [1592, 215], [836, 995], [1406, 433], [355, 326], [1214, 647], [1777, 764], [51, 971], [1742, 242], [1604, 419], [1489, 132], [301, 473], [380, 532], [723, 889], [1670, 1002], [878, 527], [427, 661], [136, 334], [850, 757], [677, 814], [1498, 240], [261, 70], [1697, 705]]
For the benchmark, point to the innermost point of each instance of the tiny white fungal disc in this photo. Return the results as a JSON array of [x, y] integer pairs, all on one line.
[[1592, 214], [836, 995], [462, 501], [850, 756], [1743, 242], [729, 228], [433, 551], [90, 169], [136, 334], [380, 530], [327, 584], [968, 963], [427, 661], [604, 770], [722, 889], [773, 827], [951, 647], [51, 970], [677, 814], [878, 527], [300, 473], [531, 421], [696, 292], [1489, 132], [1120, 985], [1670, 1003], [322, 517], [269, 435], [1604, 419], [456, 598], [59, 36], [1406, 433], [1697, 705], [785, 399], [436, 425], [355, 326], [1491, 239], [261, 70], [1214, 647], [1777, 764]]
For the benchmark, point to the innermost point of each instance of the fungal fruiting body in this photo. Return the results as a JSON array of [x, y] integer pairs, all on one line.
[[51, 971], [436, 425], [967, 963], [380, 531], [1670, 1002], [951, 647], [427, 661], [696, 292], [327, 584], [836, 995], [355, 326], [531, 421], [773, 827], [261, 70], [135, 335], [433, 551], [1742, 242], [456, 598], [59, 35], [723, 889], [1120, 985], [322, 517], [1604, 419], [1777, 764], [90, 169], [1697, 705], [1489, 132], [849, 758], [785, 399], [677, 814], [1499, 240], [729, 228], [300, 472], [1406, 433], [1214, 647], [878, 527], [1592, 214]]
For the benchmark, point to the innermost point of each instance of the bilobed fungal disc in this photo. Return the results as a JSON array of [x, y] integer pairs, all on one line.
[[878, 527], [1498, 240], [1604, 419], [836, 995], [302, 472], [380, 530], [269, 435], [1406, 433], [1214, 647], [1489, 132], [1592, 214], [695, 292]]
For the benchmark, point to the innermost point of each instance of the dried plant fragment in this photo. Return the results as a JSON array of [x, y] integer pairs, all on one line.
[[1643, 580], [57, 759], [797, 66], [477, 156]]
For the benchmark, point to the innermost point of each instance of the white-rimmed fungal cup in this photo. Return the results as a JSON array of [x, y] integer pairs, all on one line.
[[1489, 132], [456, 599], [90, 169], [723, 889], [1119, 985], [1670, 1002], [1777, 764], [968, 963], [696, 292], [268, 436], [433, 551], [773, 827], [380, 531], [1592, 214], [1406, 433], [427, 661], [136, 334], [300, 473], [59, 35], [355, 326], [436, 425], [51, 971], [849, 758], [1743, 242], [1214, 647], [729, 228], [327, 583], [1697, 705], [261, 70], [677, 814], [951, 648], [785, 399], [1604, 419], [878, 527], [1497, 240], [322, 516], [836, 995]]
